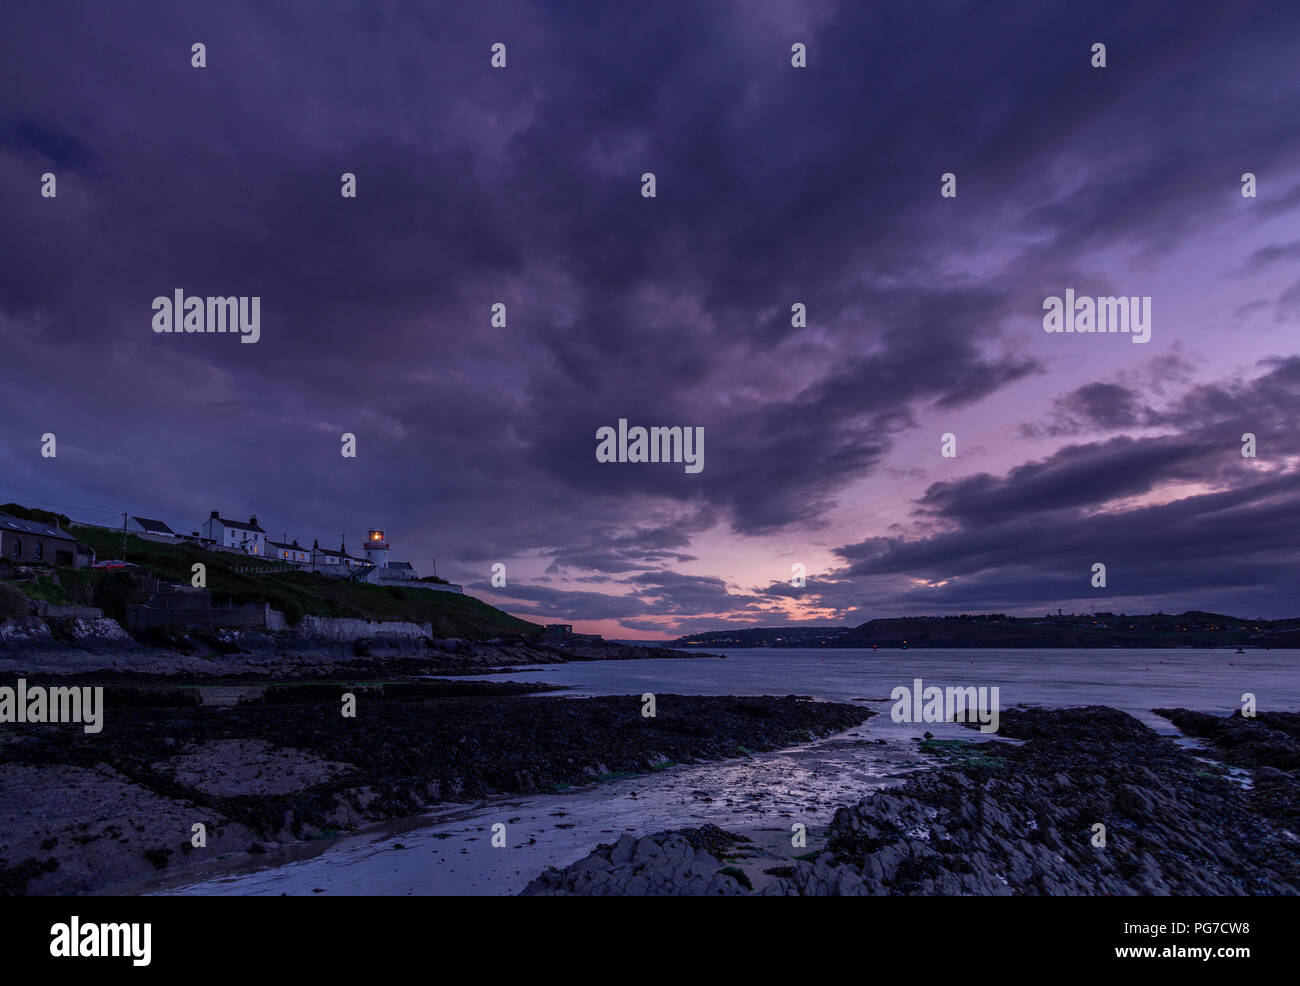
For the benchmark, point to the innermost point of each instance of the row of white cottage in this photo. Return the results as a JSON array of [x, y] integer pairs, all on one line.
[[250, 538]]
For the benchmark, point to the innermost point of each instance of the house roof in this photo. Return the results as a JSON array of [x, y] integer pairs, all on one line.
[[15, 524], [153, 526], [336, 554], [239, 525], [286, 545], [400, 564]]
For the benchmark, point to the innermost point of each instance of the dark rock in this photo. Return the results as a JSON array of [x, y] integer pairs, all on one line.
[[1016, 822], [668, 864]]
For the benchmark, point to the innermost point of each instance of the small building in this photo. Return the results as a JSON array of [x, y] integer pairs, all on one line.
[[146, 526], [563, 632], [332, 562], [34, 542], [394, 571], [235, 535], [290, 552]]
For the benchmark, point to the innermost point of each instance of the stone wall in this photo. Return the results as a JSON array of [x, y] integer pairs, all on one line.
[[341, 629]]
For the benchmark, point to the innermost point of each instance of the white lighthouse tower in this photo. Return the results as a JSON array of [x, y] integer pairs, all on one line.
[[376, 548]]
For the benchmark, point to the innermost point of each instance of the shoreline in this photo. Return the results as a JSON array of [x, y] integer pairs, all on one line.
[[449, 853], [284, 769], [82, 647], [253, 745]]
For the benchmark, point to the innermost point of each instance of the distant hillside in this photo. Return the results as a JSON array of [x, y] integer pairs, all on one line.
[[1191, 629], [298, 594], [32, 513], [764, 637]]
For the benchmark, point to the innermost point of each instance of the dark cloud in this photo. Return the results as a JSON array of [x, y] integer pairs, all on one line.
[[674, 593], [1094, 407], [1273, 253], [1033, 534], [475, 186]]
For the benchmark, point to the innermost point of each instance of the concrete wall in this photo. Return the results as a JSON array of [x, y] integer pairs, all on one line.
[[252, 616], [181, 608], [53, 612], [439, 587], [415, 584]]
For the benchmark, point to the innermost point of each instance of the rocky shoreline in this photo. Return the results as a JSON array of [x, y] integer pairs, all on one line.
[[242, 732], [1015, 819], [268, 765], [74, 646]]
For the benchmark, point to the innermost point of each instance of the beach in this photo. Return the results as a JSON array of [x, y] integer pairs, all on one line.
[[761, 795]]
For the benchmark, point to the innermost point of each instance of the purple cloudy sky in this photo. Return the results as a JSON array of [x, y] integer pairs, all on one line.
[[775, 185]]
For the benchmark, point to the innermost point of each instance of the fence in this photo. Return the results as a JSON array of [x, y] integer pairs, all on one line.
[[264, 569]]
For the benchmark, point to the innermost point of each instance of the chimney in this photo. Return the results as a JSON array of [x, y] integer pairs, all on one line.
[[215, 514], [252, 521]]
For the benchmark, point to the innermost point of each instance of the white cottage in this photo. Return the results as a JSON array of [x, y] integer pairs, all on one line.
[[236, 535]]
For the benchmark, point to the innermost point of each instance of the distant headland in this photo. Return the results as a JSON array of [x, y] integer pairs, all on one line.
[[1193, 628]]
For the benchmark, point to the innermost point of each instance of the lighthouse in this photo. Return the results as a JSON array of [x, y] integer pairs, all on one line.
[[376, 548]]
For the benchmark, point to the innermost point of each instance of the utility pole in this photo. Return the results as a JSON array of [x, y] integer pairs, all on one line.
[[124, 535], [435, 567]]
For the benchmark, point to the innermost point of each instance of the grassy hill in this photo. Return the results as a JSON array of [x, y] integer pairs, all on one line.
[[294, 593]]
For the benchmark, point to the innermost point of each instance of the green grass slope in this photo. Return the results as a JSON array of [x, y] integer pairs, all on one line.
[[298, 594]]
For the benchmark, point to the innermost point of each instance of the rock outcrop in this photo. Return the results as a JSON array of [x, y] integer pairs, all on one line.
[[1020, 820]]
